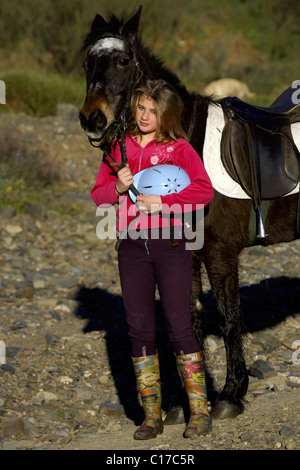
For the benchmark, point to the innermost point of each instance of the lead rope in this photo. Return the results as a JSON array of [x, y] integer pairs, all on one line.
[[122, 143]]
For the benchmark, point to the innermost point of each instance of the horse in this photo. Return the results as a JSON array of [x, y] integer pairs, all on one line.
[[115, 62]]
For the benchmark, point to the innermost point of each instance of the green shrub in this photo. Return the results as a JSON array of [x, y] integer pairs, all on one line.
[[24, 171], [39, 93], [255, 41]]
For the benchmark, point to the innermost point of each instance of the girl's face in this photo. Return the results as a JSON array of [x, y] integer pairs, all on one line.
[[146, 118]]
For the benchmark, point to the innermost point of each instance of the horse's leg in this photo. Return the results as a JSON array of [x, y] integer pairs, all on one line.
[[196, 302], [222, 270]]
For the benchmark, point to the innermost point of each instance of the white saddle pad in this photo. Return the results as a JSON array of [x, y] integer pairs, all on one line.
[[219, 177]]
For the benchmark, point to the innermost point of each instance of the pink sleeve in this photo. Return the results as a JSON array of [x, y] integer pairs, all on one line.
[[104, 190], [200, 191]]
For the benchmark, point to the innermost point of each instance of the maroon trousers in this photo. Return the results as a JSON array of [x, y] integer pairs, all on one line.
[[143, 264]]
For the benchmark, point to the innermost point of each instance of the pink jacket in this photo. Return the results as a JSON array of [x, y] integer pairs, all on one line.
[[179, 153]]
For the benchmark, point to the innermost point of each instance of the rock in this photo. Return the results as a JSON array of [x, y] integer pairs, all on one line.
[[19, 324], [39, 284], [228, 87], [293, 444], [84, 394], [12, 351], [2, 352], [8, 212], [44, 397], [261, 369], [110, 409], [46, 302], [246, 437], [17, 428], [37, 211], [294, 379], [51, 339], [286, 431], [268, 342], [104, 379], [257, 385], [8, 368], [13, 229], [276, 382]]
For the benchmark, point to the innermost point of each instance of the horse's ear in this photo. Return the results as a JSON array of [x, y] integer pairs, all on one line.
[[130, 28], [98, 22]]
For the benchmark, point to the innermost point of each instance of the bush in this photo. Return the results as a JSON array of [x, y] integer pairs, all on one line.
[[255, 41], [24, 171], [19, 160], [39, 93]]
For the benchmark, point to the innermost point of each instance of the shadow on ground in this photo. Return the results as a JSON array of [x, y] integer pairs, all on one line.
[[264, 305]]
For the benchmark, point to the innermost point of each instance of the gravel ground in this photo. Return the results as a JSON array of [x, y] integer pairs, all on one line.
[[66, 380]]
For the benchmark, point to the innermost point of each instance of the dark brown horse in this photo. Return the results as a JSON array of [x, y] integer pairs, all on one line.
[[115, 62]]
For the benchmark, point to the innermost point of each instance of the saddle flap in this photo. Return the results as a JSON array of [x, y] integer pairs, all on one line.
[[235, 154], [262, 159], [277, 164]]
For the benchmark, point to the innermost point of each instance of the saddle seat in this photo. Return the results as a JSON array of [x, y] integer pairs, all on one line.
[[257, 146], [285, 104]]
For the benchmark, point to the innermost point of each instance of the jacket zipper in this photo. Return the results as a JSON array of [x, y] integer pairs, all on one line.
[[140, 160]]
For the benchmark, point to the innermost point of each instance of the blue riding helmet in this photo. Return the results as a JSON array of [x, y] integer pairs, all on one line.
[[160, 180]]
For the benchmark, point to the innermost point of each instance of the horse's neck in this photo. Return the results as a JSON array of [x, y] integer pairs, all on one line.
[[195, 105], [153, 68]]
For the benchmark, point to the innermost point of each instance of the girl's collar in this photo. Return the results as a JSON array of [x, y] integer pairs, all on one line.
[[136, 141]]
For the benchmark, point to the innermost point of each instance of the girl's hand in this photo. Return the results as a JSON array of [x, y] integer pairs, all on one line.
[[149, 203], [125, 179]]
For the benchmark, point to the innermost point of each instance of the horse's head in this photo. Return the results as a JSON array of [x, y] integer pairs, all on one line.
[[111, 71]]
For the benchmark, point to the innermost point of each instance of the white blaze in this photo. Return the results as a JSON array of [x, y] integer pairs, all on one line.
[[107, 45]]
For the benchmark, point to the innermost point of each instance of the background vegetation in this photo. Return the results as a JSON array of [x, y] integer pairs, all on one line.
[[256, 41]]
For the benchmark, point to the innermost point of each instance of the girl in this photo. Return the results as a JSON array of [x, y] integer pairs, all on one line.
[[156, 137]]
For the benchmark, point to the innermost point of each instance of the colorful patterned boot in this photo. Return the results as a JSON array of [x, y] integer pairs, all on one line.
[[192, 372], [148, 382]]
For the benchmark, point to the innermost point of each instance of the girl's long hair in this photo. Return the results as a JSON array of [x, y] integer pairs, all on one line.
[[168, 106]]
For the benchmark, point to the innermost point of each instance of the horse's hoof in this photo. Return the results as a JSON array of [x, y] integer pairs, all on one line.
[[225, 410], [175, 416]]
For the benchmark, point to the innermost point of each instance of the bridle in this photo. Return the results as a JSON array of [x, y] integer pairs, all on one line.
[[116, 130]]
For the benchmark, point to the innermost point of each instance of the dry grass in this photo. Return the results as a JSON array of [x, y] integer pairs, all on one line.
[[24, 171]]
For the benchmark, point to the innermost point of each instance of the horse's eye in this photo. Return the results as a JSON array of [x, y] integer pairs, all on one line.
[[123, 61]]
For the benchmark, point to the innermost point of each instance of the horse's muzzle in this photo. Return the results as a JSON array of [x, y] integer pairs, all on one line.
[[94, 125]]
